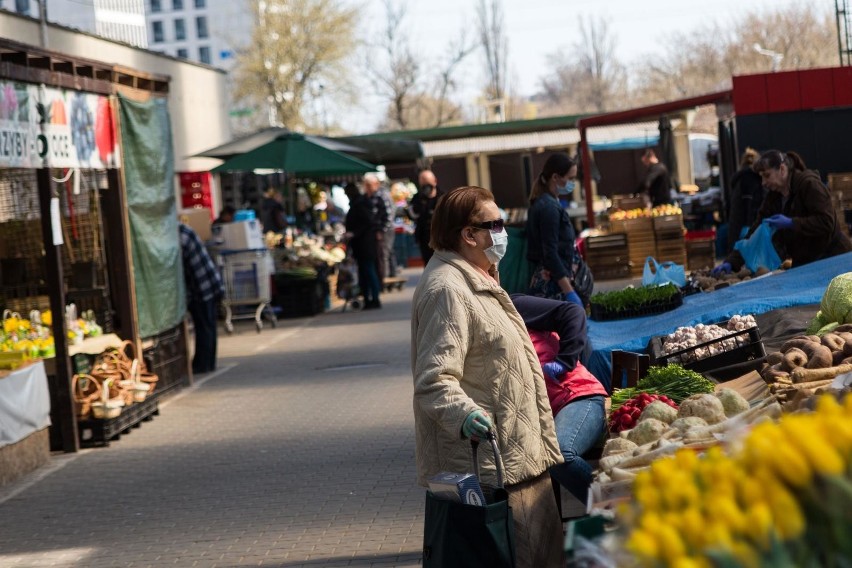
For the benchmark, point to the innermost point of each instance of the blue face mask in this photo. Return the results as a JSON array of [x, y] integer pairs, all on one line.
[[566, 189]]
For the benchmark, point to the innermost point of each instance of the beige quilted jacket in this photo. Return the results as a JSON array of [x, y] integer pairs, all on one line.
[[469, 350]]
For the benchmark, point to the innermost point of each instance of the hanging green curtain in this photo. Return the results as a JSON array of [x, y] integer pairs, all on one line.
[[148, 166]]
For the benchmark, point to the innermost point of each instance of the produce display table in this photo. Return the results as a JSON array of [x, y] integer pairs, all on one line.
[[24, 403], [798, 286]]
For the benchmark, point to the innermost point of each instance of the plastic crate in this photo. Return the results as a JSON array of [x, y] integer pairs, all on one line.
[[752, 349], [601, 314]]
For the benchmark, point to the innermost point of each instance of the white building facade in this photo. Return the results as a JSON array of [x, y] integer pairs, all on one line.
[[119, 20]]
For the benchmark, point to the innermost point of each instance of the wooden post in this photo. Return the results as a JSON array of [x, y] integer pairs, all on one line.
[[56, 291]]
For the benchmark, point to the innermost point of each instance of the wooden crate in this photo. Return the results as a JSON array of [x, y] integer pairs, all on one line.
[[668, 223], [627, 202], [631, 226], [695, 262], [840, 182]]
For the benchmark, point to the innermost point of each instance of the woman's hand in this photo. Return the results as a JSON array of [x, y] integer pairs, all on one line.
[[779, 222], [477, 424]]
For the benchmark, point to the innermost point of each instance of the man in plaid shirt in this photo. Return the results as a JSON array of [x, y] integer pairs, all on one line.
[[203, 291]]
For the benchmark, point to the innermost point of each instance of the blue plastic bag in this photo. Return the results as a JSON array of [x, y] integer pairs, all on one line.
[[663, 273], [758, 249]]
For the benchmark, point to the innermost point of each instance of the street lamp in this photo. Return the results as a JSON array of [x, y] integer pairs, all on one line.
[[776, 57]]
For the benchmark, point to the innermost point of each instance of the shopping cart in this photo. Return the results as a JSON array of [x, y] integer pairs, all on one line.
[[347, 284], [246, 274]]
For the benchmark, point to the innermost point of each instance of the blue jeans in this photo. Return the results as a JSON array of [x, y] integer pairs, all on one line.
[[579, 426]]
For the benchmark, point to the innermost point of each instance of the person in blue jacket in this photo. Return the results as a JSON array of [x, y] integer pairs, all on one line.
[[550, 233]]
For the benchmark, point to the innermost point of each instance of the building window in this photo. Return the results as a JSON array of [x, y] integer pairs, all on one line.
[[200, 3], [180, 29], [201, 27], [156, 6], [22, 7], [157, 30], [183, 53], [177, 4], [204, 54]]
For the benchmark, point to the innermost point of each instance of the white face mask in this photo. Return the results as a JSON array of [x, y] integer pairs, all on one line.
[[497, 250]]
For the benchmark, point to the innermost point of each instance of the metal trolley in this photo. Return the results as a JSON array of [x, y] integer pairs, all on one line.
[[246, 274]]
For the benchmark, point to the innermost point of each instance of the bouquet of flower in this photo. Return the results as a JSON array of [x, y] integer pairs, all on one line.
[[780, 497]]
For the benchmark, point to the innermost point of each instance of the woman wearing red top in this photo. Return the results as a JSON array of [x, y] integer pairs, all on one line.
[[558, 332]]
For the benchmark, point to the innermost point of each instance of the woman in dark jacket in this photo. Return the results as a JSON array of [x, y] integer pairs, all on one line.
[[798, 206], [550, 233]]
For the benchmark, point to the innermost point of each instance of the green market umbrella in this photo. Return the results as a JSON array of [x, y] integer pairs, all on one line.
[[298, 156]]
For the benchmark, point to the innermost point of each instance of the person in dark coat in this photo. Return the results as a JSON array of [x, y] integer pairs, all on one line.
[[657, 183], [272, 214], [422, 207], [798, 206], [361, 234], [747, 193]]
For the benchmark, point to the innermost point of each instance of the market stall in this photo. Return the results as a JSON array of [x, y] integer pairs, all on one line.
[[798, 286], [24, 418], [71, 255], [754, 471]]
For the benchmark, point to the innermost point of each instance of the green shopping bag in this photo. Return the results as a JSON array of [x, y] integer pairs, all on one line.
[[469, 536]]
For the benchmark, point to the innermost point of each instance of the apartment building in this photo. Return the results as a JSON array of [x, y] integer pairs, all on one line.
[[207, 31]]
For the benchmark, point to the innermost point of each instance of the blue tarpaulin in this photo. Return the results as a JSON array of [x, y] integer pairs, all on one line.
[[795, 287]]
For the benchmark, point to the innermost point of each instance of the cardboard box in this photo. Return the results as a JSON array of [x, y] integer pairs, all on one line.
[[240, 235], [198, 219]]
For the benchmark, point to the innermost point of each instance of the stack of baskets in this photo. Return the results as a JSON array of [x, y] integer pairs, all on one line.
[[118, 379]]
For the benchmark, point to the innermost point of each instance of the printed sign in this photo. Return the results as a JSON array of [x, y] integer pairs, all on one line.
[[41, 126]]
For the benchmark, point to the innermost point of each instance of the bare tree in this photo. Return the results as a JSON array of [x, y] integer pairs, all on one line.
[[294, 45], [589, 77], [703, 61], [417, 95], [495, 45], [399, 81]]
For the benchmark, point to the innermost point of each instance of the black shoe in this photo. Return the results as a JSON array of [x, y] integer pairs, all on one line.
[[373, 305]]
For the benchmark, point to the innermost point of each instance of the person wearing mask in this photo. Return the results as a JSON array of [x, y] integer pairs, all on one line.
[[475, 370], [361, 241], [203, 291], [747, 194], [798, 206], [422, 208], [657, 183], [558, 332], [550, 233]]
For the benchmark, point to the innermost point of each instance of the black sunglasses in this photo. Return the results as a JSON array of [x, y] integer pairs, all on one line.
[[496, 225]]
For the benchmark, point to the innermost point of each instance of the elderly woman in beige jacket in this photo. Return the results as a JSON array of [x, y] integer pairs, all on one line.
[[475, 369]]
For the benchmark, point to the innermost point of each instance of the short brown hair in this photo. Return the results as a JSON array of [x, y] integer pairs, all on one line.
[[454, 211]]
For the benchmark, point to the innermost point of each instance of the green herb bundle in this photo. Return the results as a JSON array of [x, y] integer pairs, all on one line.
[[634, 298], [672, 380]]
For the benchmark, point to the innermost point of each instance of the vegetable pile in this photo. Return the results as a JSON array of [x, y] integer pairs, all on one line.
[[687, 337], [809, 362], [835, 307], [627, 415], [634, 298], [705, 281], [673, 381]]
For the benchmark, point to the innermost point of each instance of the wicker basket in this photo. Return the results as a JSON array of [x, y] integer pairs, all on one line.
[[108, 406], [86, 389]]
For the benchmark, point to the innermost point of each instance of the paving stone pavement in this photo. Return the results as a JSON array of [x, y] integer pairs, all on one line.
[[299, 451]]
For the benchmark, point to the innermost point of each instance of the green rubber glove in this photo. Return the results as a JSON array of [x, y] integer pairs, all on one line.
[[476, 424]]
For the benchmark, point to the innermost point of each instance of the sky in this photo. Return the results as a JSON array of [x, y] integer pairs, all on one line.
[[536, 28]]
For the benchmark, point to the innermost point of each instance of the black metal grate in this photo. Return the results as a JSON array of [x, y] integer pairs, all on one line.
[[22, 276]]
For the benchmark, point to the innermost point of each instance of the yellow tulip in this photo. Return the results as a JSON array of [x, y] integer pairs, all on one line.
[[643, 545], [821, 456], [670, 544], [786, 514], [745, 555]]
